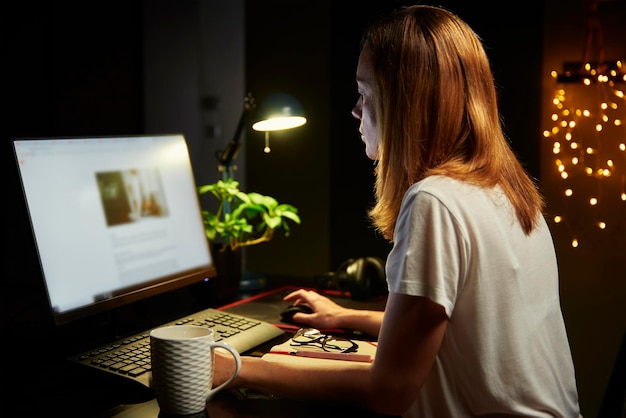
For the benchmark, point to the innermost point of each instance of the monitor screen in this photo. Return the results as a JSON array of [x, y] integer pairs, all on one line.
[[114, 219]]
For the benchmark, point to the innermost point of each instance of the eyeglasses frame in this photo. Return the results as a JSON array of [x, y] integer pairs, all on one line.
[[322, 341]]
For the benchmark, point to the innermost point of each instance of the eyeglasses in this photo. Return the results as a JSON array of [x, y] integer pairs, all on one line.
[[314, 337]]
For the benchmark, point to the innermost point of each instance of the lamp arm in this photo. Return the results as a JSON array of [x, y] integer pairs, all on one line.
[[227, 156]]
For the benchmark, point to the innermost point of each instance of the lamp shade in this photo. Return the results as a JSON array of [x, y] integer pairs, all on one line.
[[279, 111]]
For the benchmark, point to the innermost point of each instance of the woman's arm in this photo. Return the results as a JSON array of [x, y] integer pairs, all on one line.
[[410, 338], [329, 315]]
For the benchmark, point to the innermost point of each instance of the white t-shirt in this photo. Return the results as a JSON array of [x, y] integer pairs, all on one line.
[[506, 350]]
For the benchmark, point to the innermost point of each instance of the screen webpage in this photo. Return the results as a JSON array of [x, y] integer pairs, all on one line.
[[110, 213]]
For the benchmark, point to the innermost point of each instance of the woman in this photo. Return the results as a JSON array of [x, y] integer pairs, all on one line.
[[473, 324]]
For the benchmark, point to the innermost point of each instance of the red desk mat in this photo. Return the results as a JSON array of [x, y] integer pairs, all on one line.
[[268, 305]]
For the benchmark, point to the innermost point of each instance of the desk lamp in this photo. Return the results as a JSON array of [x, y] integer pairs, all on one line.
[[278, 111]]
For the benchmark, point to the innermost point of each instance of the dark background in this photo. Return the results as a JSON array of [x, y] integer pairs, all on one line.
[[76, 69], [111, 67]]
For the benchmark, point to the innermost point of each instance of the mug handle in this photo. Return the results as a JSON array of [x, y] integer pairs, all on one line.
[[237, 358]]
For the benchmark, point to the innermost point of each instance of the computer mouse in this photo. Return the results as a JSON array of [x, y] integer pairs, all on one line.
[[287, 314]]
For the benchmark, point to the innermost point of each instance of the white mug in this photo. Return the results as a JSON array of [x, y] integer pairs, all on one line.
[[182, 367]]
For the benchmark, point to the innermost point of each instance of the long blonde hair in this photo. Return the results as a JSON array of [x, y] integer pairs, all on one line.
[[437, 113]]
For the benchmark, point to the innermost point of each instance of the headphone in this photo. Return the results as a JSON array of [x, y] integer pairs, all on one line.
[[364, 278]]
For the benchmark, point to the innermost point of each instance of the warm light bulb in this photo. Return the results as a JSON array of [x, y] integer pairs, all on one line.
[[279, 123], [590, 143]]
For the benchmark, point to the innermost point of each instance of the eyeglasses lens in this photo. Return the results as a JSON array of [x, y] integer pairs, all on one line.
[[339, 344], [312, 336]]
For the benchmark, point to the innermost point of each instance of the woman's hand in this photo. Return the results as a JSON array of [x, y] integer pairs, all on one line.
[[326, 313], [329, 315]]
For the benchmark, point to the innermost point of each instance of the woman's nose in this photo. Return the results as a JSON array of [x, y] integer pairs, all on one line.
[[356, 111]]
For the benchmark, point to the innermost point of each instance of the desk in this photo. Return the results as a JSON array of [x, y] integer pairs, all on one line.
[[225, 405], [265, 306]]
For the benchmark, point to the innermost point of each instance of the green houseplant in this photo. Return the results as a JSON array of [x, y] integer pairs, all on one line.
[[244, 219], [241, 220]]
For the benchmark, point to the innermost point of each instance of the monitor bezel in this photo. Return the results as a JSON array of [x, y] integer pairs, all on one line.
[[126, 296], [165, 285]]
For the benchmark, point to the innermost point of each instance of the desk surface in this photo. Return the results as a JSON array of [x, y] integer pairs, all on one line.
[[42, 383], [226, 405], [267, 307]]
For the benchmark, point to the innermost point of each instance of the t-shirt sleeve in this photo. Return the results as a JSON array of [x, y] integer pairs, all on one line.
[[429, 253]]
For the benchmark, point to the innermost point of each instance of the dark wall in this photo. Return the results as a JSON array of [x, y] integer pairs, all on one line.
[[73, 67], [287, 51], [70, 68]]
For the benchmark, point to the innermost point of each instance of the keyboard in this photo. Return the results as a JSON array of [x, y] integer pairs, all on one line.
[[130, 357]]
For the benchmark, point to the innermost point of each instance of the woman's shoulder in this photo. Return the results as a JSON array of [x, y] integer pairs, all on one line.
[[456, 195], [443, 185]]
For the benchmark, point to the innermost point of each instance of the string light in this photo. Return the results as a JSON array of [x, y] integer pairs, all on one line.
[[588, 141]]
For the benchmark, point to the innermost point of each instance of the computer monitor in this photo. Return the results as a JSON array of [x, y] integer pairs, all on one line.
[[114, 219]]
